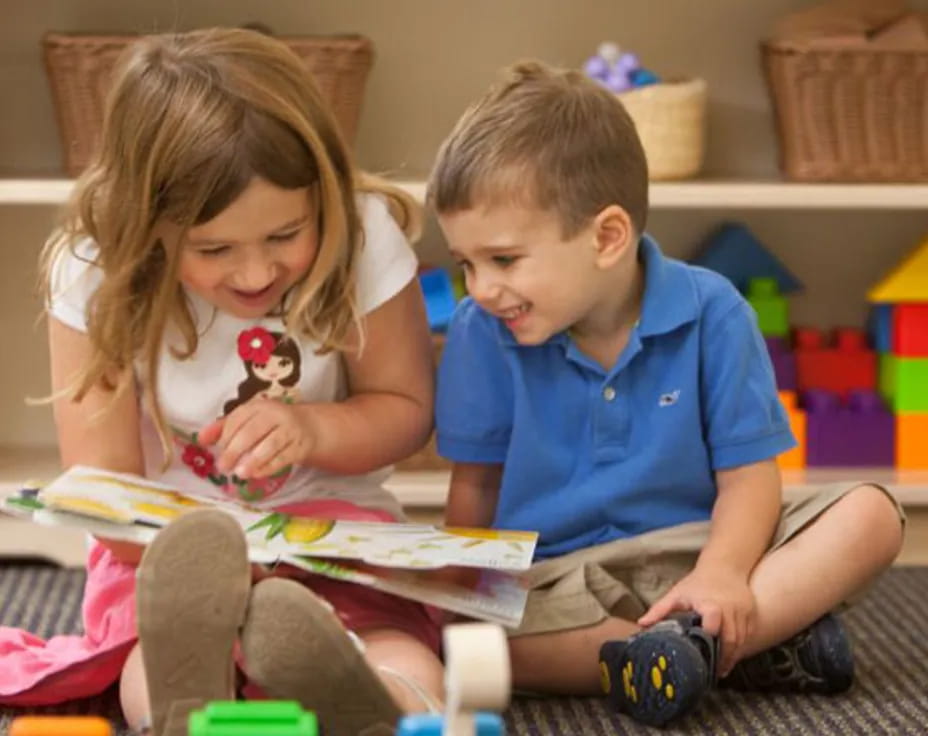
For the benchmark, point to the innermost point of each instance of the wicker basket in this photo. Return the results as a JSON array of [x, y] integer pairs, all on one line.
[[849, 114], [79, 69], [671, 122]]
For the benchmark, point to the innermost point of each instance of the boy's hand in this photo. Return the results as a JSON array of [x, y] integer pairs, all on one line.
[[724, 601], [261, 437]]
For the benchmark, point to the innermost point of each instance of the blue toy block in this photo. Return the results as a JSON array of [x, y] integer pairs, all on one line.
[[733, 251], [439, 297], [430, 724], [880, 327]]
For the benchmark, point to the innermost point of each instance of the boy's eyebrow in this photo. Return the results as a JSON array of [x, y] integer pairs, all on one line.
[[488, 247], [223, 241]]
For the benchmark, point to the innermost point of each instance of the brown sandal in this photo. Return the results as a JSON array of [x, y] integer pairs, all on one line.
[[191, 596], [295, 648]]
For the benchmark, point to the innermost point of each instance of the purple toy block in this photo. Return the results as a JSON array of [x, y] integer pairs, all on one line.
[[861, 432], [784, 363]]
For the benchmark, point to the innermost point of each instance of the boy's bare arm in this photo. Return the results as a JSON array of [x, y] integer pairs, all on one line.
[[744, 517], [473, 494]]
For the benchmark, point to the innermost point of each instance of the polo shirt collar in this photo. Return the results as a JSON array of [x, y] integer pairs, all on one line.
[[670, 298]]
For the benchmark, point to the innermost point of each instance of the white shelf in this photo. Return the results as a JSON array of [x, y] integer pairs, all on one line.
[[428, 489], [696, 194]]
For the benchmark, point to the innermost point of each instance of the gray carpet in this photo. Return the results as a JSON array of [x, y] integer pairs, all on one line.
[[890, 696]]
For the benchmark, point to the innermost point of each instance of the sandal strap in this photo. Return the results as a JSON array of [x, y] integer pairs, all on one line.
[[420, 692]]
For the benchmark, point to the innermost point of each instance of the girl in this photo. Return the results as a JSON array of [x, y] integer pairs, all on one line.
[[223, 235]]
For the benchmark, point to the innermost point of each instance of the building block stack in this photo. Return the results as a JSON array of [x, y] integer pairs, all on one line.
[[853, 397], [899, 330]]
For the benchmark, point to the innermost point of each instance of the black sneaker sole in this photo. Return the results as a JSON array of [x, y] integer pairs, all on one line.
[[655, 678]]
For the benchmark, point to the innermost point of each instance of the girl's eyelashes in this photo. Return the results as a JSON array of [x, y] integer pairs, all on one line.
[[216, 251], [284, 237], [275, 238]]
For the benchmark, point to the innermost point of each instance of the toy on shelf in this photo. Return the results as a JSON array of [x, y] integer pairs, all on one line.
[[840, 362], [669, 114], [772, 310], [795, 458], [440, 297], [253, 718], [735, 252], [477, 685], [899, 326], [618, 70], [784, 362], [60, 726], [859, 432]]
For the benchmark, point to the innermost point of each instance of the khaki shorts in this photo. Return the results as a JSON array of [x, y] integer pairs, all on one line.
[[623, 578]]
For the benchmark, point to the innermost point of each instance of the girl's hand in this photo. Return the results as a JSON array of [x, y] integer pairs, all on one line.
[[261, 437]]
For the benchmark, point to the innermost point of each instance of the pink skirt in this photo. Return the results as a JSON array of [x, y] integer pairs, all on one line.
[[37, 671]]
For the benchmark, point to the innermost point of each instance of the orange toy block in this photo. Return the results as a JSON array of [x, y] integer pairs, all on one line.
[[795, 458], [60, 726], [912, 441]]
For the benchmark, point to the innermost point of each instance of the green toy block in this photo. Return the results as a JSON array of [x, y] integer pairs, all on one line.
[[904, 383], [771, 307], [253, 718]]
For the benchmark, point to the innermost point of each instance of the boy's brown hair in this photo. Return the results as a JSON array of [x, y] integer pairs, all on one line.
[[548, 138]]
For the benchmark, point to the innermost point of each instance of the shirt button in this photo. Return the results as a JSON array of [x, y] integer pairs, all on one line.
[[608, 393]]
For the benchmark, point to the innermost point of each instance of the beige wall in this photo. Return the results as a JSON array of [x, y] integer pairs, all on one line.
[[433, 56]]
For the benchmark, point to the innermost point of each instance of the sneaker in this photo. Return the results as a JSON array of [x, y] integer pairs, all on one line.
[[295, 648], [191, 595], [661, 673], [816, 660]]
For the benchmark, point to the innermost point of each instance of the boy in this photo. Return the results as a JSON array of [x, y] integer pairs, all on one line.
[[622, 404]]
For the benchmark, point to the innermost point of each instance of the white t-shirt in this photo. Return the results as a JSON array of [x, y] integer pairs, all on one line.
[[208, 385]]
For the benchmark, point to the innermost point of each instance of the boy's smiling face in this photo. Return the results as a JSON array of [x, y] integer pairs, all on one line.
[[518, 266]]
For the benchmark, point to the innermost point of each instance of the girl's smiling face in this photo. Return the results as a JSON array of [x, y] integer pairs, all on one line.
[[245, 259]]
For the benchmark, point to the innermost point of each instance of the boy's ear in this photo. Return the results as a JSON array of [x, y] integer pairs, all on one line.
[[613, 234]]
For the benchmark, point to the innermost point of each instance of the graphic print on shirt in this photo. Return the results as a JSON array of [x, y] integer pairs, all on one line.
[[272, 368]]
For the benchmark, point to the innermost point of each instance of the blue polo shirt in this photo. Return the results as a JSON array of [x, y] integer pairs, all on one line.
[[591, 455]]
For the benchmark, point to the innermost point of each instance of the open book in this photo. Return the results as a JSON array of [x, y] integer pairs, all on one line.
[[395, 558]]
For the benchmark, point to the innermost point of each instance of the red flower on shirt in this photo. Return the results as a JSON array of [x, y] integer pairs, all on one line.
[[256, 345], [200, 461]]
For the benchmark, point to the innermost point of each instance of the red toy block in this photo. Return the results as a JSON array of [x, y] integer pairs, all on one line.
[[840, 364], [910, 330]]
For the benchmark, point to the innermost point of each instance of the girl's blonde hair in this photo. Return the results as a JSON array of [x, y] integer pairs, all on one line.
[[190, 120]]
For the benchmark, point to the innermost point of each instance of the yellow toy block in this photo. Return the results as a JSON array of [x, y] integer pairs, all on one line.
[[907, 282], [912, 441], [795, 458]]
